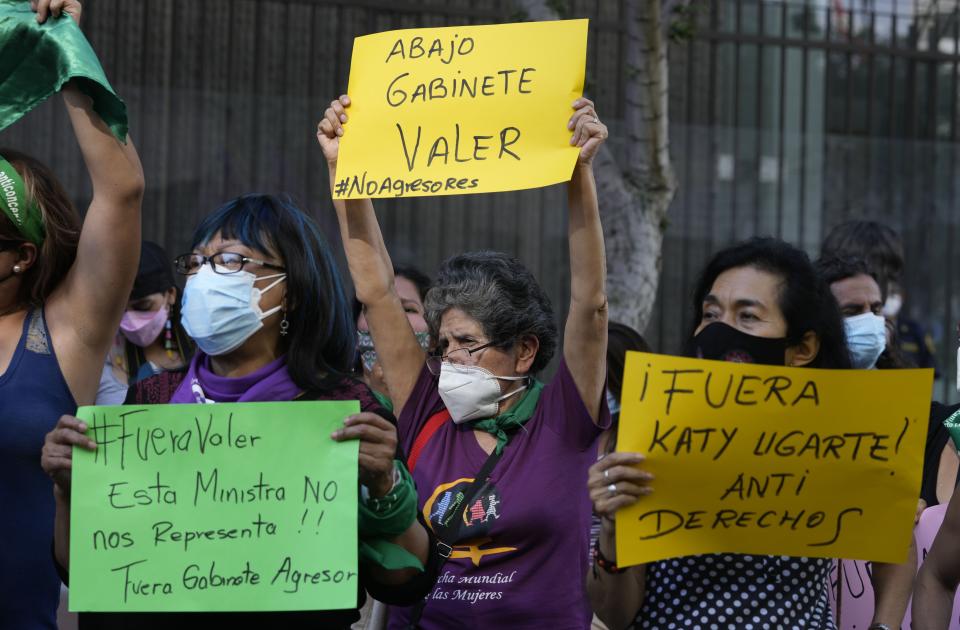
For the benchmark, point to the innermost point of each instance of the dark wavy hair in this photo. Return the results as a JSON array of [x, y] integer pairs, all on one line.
[[501, 294], [322, 340], [620, 340], [61, 225], [805, 299], [836, 268], [876, 244]]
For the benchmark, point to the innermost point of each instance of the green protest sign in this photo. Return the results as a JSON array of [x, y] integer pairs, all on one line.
[[223, 507]]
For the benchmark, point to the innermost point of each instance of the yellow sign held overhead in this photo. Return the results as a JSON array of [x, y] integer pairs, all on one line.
[[466, 109], [772, 460]]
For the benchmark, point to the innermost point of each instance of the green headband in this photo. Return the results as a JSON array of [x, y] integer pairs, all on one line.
[[14, 203]]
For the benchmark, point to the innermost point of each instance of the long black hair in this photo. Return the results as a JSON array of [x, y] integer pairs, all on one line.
[[875, 243], [620, 340], [805, 299], [182, 343], [321, 342]]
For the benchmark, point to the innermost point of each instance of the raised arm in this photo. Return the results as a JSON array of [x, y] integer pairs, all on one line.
[[939, 575], [398, 351], [585, 335], [84, 311]]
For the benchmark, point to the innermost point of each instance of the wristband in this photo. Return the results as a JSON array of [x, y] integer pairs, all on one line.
[[387, 517], [605, 564], [384, 503]]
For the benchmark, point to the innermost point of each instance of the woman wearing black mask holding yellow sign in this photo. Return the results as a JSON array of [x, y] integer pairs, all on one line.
[[759, 302]]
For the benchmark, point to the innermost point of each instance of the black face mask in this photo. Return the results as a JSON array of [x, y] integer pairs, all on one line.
[[721, 342]]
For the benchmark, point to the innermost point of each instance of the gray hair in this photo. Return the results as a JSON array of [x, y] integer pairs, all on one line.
[[501, 294]]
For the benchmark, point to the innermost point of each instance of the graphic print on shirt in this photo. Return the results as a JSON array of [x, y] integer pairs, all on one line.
[[474, 541]]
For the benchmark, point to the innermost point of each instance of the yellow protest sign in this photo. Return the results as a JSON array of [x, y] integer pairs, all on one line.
[[772, 460], [466, 109]]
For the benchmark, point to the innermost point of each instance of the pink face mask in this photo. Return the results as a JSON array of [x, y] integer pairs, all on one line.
[[143, 327]]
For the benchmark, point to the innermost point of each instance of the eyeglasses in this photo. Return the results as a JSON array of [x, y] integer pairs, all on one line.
[[221, 262], [460, 355], [8, 244]]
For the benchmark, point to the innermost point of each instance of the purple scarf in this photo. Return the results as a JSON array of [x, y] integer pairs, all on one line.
[[272, 382]]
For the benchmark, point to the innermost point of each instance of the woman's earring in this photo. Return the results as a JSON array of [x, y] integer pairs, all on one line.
[[284, 324], [17, 269], [168, 338]]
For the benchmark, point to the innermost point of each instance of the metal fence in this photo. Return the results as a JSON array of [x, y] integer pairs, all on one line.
[[786, 118], [791, 117]]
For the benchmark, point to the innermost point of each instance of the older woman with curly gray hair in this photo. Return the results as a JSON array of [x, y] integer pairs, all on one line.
[[499, 458]]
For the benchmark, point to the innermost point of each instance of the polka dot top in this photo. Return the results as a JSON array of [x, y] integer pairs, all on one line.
[[721, 591]]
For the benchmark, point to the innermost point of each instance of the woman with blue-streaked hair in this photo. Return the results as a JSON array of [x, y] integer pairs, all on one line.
[[265, 306]]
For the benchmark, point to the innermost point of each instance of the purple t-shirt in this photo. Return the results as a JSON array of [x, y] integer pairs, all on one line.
[[521, 561]]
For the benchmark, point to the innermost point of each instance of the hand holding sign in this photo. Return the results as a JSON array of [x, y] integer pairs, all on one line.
[[588, 132], [378, 447], [56, 458], [330, 129], [615, 482]]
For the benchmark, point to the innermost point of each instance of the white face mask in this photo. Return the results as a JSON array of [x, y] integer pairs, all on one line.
[[221, 311], [472, 393], [866, 339], [891, 308]]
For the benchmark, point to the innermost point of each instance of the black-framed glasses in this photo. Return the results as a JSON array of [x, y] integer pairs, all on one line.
[[6, 244], [221, 262], [460, 355]]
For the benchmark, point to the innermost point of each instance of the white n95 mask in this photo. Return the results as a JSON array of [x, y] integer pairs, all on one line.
[[472, 393]]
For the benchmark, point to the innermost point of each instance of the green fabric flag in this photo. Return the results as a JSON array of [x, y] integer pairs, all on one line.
[[36, 60]]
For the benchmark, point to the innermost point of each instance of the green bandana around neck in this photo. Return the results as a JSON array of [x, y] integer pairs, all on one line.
[[36, 60], [24, 214], [513, 418], [383, 399]]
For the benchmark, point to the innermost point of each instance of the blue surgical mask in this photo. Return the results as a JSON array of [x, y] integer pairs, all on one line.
[[221, 311], [866, 339]]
